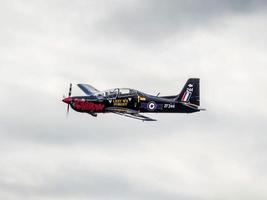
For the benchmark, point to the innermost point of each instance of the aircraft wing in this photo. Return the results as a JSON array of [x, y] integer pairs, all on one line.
[[129, 113], [87, 89]]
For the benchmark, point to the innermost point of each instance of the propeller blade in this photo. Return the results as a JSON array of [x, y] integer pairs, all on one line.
[[70, 90], [68, 107], [68, 110]]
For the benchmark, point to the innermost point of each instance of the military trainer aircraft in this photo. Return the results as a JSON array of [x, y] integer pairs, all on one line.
[[130, 102]]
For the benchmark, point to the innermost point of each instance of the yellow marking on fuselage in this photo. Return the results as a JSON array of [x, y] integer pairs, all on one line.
[[120, 102]]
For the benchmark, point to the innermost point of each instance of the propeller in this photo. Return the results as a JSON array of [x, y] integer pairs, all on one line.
[[70, 90]]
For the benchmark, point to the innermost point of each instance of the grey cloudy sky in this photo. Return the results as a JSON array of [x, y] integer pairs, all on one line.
[[150, 45]]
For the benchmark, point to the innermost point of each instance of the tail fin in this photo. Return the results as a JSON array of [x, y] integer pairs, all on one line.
[[190, 92]]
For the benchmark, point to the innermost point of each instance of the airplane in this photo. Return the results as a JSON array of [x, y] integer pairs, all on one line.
[[130, 102]]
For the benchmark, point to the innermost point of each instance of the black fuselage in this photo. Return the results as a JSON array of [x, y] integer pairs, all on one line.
[[139, 102]]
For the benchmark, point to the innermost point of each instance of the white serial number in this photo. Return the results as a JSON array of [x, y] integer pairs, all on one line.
[[168, 106]]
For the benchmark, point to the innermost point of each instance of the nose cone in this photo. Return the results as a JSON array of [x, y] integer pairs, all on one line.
[[67, 100]]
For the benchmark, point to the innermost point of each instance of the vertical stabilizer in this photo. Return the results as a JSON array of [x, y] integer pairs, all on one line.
[[190, 92]]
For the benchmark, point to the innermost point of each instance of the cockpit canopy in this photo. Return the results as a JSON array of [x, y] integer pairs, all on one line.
[[114, 93]]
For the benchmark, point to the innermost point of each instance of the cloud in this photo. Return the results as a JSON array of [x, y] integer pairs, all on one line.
[[154, 20], [153, 46]]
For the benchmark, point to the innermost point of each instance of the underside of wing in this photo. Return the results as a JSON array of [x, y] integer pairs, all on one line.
[[129, 113], [87, 89]]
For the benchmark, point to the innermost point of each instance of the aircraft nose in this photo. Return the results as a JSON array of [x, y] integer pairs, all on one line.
[[67, 100]]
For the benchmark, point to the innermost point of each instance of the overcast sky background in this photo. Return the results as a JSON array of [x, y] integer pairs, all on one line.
[[150, 45]]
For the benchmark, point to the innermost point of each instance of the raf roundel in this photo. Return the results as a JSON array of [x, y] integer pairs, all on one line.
[[151, 106]]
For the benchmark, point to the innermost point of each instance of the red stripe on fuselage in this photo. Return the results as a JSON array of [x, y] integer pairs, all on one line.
[[87, 106]]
